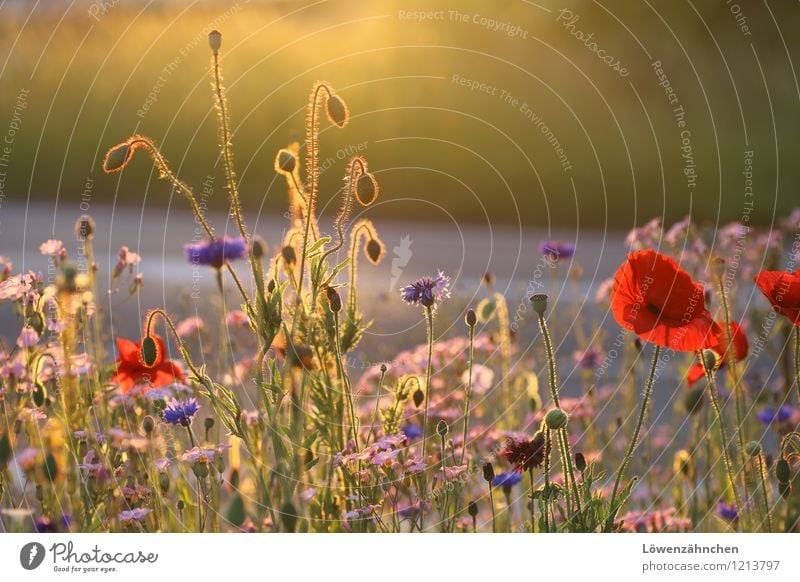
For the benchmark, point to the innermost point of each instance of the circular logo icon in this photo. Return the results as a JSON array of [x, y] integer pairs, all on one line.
[[31, 555]]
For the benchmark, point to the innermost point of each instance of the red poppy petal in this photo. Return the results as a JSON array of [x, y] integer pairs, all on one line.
[[128, 351], [695, 373]]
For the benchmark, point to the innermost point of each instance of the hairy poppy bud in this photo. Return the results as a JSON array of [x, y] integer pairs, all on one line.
[[488, 472], [285, 162], [337, 111], [149, 351], [334, 300], [289, 255], [366, 189], [472, 509], [539, 303], [580, 462], [782, 471], [752, 448], [710, 360], [374, 251], [215, 40], [117, 157], [442, 429], [148, 424], [418, 397], [471, 319], [556, 419]]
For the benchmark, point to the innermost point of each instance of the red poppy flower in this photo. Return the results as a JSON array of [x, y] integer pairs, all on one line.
[[657, 300], [132, 371], [717, 341], [782, 288]]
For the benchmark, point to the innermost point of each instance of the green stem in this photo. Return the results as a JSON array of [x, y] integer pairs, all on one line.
[[491, 504], [626, 461], [469, 392], [766, 496]]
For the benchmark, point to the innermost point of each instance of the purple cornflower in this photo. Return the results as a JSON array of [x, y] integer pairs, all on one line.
[[129, 516], [506, 479], [769, 415], [427, 291], [411, 431], [589, 359], [556, 250], [180, 412], [727, 511], [215, 253]]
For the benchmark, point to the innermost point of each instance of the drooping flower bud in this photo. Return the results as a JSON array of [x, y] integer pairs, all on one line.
[[488, 472], [472, 509], [366, 189], [334, 300], [337, 111], [117, 157], [580, 462], [375, 251], [783, 471], [39, 394], [149, 351], [418, 397], [285, 162]]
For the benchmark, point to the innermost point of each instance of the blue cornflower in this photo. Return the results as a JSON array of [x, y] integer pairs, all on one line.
[[769, 415], [727, 511], [427, 291], [506, 479], [556, 250], [411, 431], [215, 253], [181, 412]]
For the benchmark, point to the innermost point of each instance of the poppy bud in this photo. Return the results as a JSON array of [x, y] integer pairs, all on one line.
[[85, 227], [383, 368], [117, 157], [271, 286], [471, 319], [215, 40], [289, 255], [418, 397], [374, 251], [693, 400], [442, 429], [366, 189], [200, 470], [580, 462], [782, 471], [556, 419], [181, 505], [337, 111], [752, 448], [163, 482], [258, 248], [472, 509], [285, 162], [149, 351], [39, 394], [148, 424], [539, 303], [785, 489], [334, 300], [488, 472], [709, 359]]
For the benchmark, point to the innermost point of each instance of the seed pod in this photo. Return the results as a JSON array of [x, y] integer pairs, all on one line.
[[200, 470], [337, 111], [488, 472], [149, 351], [215, 40], [580, 462], [539, 303], [472, 509], [752, 448], [442, 429], [418, 397], [556, 419]]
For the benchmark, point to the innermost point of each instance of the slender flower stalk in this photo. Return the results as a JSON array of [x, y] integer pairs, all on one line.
[[471, 320], [709, 361], [626, 461], [764, 490]]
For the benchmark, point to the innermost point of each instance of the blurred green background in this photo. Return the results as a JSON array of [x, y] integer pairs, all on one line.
[[97, 72]]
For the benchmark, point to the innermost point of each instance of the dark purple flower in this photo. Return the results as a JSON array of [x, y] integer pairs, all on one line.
[[769, 415], [215, 253], [427, 291], [556, 250], [727, 511], [525, 454], [180, 412], [507, 479], [589, 359], [411, 431]]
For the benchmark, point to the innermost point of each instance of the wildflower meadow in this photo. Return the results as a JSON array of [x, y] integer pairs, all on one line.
[[250, 415]]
